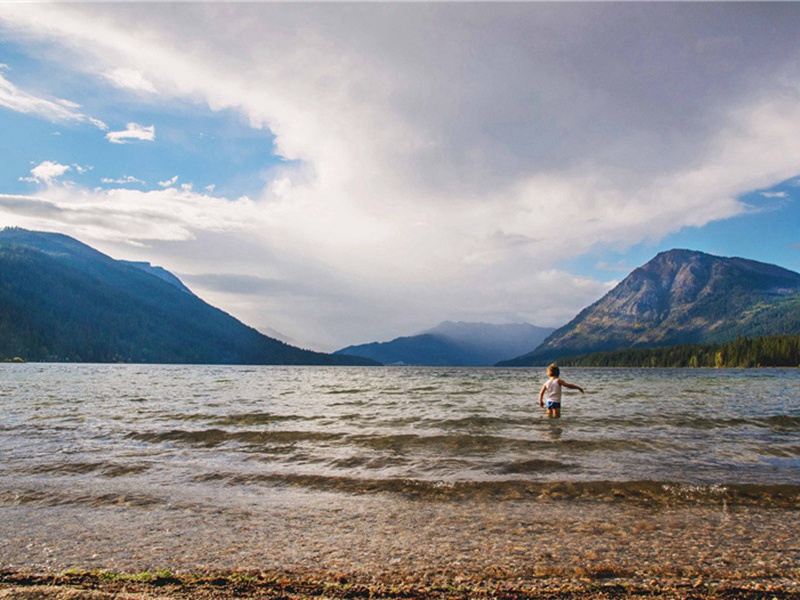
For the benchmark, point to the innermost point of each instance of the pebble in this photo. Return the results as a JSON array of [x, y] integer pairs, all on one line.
[[385, 538]]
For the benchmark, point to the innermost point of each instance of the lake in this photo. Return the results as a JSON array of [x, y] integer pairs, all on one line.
[[122, 466]]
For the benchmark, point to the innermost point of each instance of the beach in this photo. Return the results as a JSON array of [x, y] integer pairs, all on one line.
[[330, 545]]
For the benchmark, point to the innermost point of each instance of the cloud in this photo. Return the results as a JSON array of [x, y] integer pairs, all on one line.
[[57, 111], [441, 157], [123, 180], [251, 285], [775, 194], [133, 131], [129, 216], [132, 79], [46, 172], [29, 209], [169, 182], [97, 123]]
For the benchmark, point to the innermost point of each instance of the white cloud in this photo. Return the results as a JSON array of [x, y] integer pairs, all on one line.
[[125, 215], [169, 182], [98, 123], [774, 194], [57, 110], [127, 179], [133, 131], [132, 79], [48, 171], [445, 156]]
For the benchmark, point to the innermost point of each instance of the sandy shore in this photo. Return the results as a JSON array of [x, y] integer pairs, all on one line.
[[318, 545]]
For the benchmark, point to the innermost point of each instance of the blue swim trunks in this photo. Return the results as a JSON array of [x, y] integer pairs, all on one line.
[[552, 405]]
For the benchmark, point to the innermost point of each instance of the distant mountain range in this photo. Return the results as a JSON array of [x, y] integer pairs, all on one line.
[[455, 344], [61, 300], [680, 297]]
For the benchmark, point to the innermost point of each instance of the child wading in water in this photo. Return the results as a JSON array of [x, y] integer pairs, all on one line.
[[551, 392]]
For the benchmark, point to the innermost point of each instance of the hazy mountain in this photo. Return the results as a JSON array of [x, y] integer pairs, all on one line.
[[455, 344], [159, 272], [680, 297], [61, 300], [278, 335]]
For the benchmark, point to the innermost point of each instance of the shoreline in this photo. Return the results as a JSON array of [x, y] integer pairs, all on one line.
[[311, 546], [164, 585]]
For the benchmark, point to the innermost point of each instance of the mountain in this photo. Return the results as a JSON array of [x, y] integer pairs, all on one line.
[[61, 300], [455, 344], [159, 272], [681, 297]]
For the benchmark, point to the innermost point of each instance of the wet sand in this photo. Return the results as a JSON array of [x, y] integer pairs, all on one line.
[[338, 545]]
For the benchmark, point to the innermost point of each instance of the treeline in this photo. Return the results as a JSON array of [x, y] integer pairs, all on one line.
[[766, 351]]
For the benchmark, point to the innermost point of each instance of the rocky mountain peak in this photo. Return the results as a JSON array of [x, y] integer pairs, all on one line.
[[684, 296]]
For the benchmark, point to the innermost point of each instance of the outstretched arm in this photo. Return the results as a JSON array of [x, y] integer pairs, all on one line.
[[570, 386]]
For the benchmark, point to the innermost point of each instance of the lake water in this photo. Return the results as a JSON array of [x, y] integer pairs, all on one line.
[[134, 444], [356, 429]]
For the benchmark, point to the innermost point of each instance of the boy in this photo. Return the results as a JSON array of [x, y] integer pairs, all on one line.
[[551, 391]]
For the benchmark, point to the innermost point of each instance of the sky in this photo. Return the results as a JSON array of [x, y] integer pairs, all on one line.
[[347, 173]]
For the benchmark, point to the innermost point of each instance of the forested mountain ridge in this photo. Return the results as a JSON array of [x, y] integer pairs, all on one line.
[[61, 300], [743, 353], [681, 297], [456, 344]]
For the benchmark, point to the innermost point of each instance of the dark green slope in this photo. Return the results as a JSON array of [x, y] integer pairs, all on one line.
[[763, 351], [61, 300], [681, 297]]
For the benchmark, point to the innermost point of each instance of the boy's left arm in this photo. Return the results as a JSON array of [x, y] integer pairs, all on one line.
[[571, 386]]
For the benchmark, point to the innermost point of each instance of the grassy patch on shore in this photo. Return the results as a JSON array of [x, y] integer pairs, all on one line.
[[162, 584]]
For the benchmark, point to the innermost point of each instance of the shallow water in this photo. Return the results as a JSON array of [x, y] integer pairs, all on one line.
[[412, 430], [414, 471]]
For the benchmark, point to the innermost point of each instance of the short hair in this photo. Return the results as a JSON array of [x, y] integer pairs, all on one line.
[[553, 371]]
